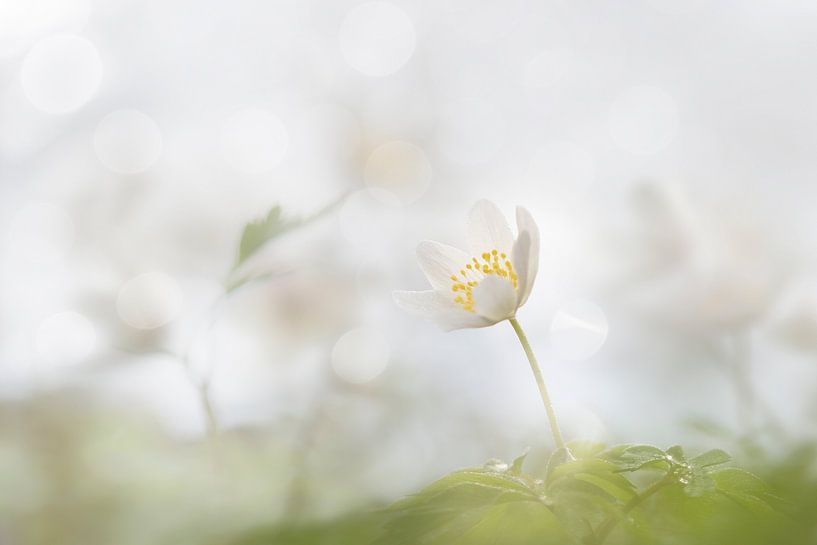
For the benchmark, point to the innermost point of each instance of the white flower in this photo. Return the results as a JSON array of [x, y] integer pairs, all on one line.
[[484, 287]]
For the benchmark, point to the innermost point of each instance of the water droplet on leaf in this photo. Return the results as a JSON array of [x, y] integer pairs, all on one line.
[[496, 465]]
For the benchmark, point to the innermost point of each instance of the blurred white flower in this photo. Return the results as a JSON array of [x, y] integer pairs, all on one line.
[[799, 329], [794, 320], [483, 290], [696, 267]]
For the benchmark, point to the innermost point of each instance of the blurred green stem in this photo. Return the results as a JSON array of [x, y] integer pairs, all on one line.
[[296, 498], [537, 373], [202, 383], [209, 412], [751, 405], [234, 279]]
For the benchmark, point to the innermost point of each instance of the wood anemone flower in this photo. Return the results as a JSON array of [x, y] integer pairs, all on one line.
[[484, 287]]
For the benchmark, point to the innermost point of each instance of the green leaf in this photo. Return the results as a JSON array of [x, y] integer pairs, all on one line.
[[472, 481], [753, 504], [585, 492], [644, 452], [516, 466], [621, 490], [473, 507], [586, 465], [614, 452], [580, 511], [259, 232], [517, 524], [585, 449], [677, 453], [710, 458], [694, 474], [739, 481], [697, 482], [559, 457], [636, 457], [590, 475], [263, 230]]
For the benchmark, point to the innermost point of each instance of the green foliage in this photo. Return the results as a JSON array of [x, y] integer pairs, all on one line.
[[355, 528], [637, 457], [588, 495], [516, 466], [259, 232], [711, 458], [475, 506]]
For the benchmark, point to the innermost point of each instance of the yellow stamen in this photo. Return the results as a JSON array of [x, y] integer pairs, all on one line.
[[495, 263]]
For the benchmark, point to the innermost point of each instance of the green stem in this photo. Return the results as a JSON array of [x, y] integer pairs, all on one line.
[[612, 520], [537, 373]]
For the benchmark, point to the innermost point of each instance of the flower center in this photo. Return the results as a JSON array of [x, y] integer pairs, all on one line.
[[493, 263]]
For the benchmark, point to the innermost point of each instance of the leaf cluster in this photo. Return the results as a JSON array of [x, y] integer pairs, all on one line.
[[590, 494]]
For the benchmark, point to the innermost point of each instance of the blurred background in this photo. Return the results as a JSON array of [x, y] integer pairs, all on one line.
[[168, 376]]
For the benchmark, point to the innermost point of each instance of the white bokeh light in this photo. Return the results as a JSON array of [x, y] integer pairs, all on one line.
[[643, 120], [471, 131], [360, 355], [562, 169], [61, 73], [254, 141], [149, 300], [41, 233], [399, 168], [377, 38], [65, 338], [578, 331], [127, 141]]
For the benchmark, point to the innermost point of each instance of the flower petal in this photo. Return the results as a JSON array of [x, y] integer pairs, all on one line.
[[488, 229], [439, 261], [439, 308], [460, 319], [520, 257], [526, 224], [423, 303], [495, 298]]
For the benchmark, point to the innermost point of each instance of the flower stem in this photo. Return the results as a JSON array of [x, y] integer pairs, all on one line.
[[537, 373]]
